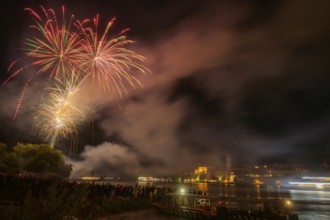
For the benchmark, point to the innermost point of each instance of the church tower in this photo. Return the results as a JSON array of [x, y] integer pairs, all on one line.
[[228, 167]]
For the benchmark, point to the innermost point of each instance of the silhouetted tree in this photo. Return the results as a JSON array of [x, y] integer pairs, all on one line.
[[8, 161], [37, 158]]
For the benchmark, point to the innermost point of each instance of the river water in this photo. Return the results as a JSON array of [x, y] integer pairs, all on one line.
[[308, 204]]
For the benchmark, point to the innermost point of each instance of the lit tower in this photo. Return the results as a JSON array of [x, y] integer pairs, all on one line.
[[228, 167]]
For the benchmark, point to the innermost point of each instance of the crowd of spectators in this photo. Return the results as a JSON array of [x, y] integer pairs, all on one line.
[[17, 187], [38, 197]]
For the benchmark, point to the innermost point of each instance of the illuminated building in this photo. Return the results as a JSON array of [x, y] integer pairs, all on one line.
[[269, 173], [208, 174], [201, 174]]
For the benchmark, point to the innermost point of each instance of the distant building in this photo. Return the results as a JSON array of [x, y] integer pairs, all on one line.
[[209, 174], [256, 174], [228, 167], [268, 173], [202, 174]]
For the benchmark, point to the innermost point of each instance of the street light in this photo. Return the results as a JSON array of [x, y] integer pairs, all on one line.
[[288, 205]]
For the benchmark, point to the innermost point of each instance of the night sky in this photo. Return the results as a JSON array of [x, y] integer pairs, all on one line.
[[244, 78]]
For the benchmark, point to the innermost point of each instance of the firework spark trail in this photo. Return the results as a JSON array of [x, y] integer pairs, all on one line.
[[59, 114], [107, 61], [20, 100], [12, 76], [11, 65]]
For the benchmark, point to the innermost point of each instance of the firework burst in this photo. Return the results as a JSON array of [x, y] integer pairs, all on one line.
[[107, 61], [55, 49], [59, 114]]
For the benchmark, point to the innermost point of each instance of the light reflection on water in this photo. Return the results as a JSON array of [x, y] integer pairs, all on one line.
[[311, 204], [308, 204], [310, 195]]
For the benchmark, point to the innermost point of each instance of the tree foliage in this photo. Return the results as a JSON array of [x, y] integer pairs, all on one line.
[[8, 161], [36, 158]]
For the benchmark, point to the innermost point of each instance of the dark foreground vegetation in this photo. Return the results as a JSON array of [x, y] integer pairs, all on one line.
[[33, 186], [39, 159], [30, 197]]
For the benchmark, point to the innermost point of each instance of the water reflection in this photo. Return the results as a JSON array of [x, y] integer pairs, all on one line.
[[308, 204], [202, 187], [258, 191], [310, 195], [311, 204]]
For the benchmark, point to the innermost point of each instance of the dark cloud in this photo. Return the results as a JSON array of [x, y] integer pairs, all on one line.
[[274, 106]]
